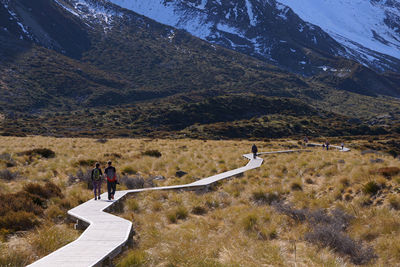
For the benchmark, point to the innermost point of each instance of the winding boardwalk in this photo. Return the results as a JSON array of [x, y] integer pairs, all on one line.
[[106, 234]]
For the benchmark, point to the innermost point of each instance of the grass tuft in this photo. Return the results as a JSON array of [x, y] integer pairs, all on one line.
[[152, 153], [371, 188], [134, 258]]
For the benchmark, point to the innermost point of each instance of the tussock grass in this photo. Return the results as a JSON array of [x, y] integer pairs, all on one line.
[[212, 230]]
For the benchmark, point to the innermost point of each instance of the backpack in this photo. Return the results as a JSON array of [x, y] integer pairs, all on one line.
[[96, 175]]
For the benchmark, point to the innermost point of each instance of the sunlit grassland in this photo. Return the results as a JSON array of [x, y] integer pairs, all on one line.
[[224, 226]]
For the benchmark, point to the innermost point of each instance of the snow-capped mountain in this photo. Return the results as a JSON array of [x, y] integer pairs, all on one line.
[[367, 29], [289, 33]]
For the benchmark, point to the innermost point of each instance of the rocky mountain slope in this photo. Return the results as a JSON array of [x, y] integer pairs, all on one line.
[[301, 36], [63, 62]]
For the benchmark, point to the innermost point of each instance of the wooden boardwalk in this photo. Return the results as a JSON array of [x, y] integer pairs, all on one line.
[[106, 234]]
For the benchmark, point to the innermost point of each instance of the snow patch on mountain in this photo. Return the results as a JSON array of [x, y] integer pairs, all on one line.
[[170, 14], [252, 18], [70, 10], [352, 22]]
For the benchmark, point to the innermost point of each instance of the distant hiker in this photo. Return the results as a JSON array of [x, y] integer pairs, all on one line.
[[254, 149], [327, 145], [111, 174], [323, 146], [305, 141], [96, 176], [342, 145]]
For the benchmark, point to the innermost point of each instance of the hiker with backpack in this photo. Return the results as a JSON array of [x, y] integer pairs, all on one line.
[[97, 176], [111, 175], [254, 149]]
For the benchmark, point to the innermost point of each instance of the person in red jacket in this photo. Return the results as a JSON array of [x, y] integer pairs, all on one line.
[[111, 175]]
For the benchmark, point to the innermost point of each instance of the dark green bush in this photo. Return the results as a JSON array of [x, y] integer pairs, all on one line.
[[198, 210], [152, 153], [296, 186], [261, 197], [86, 162], [43, 152], [371, 188]]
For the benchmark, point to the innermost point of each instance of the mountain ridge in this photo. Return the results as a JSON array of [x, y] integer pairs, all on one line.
[[133, 64]]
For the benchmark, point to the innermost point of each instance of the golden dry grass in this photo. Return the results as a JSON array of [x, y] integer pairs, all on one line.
[[232, 229]]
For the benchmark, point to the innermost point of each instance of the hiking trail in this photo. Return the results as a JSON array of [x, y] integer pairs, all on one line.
[[107, 234]]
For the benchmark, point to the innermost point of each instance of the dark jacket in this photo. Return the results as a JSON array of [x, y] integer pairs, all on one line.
[[111, 174], [254, 149]]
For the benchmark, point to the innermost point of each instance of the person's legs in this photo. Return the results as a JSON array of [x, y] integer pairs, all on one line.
[[99, 189], [95, 189], [113, 187], [109, 189]]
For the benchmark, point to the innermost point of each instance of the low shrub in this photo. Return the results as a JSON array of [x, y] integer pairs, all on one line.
[[299, 215], [43, 152], [55, 213], [309, 181], [85, 162], [128, 170], [261, 197], [7, 160], [113, 155], [47, 191], [21, 201], [326, 235], [8, 175], [394, 202], [152, 153], [18, 221], [81, 176], [296, 186], [132, 182], [328, 230], [388, 172], [198, 210]]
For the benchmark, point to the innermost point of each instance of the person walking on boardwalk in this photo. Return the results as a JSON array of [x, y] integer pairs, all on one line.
[[327, 145], [96, 176], [305, 141], [254, 149], [342, 145], [111, 174]]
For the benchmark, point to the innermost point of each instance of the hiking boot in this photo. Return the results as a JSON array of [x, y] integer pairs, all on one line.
[[95, 198], [99, 197]]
